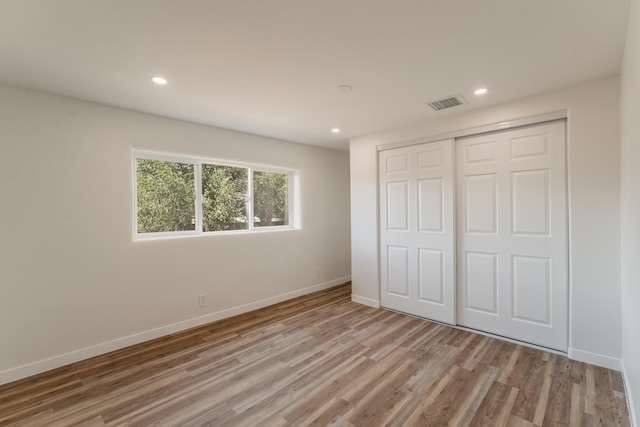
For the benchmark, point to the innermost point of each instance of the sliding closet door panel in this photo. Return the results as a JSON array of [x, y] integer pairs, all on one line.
[[512, 234], [416, 230]]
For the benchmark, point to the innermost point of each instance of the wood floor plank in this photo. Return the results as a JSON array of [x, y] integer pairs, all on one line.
[[519, 422], [470, 400], [495, 406], [577, 404], [373, 405], [543, 398], [527, 375], [325, 414], [558, 409], [453, 398], [421, 414], [320, 359], [621, 411]]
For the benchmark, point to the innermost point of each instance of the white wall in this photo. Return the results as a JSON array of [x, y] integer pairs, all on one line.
[[73, 283], [593, 170], [630, 207]]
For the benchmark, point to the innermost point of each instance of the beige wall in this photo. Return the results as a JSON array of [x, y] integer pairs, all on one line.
[[73, 283], [593, 172], [630, 206]]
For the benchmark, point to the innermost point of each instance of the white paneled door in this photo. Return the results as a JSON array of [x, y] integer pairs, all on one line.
[[512, 234], [417, 244], [498, 262]]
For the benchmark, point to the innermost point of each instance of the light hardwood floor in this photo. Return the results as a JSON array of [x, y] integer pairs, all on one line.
[[320, 360]]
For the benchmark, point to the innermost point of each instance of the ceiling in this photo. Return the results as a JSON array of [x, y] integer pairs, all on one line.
[[271, 67]]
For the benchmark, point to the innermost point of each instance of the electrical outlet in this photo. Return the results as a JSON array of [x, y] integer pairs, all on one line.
[[202, 300], [317, 273]]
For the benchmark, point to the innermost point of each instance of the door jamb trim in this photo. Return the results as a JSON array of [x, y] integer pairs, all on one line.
[[504, 125]]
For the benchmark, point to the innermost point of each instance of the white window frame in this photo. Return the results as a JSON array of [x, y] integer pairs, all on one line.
[[292, 195]]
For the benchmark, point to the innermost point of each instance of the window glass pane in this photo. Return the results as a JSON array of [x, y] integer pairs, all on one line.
[[166, 196], [224, 198], [270, 199]]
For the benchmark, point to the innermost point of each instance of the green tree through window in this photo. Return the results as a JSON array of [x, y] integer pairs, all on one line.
[[224, 198], [270, 199], [166, 196], [167, 202]]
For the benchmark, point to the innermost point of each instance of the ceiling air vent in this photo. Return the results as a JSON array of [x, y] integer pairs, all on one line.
[[449, 102]]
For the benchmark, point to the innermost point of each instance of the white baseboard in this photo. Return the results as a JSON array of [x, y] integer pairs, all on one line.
[[629, 395], [595, 359], [365, 301], [40, 366]]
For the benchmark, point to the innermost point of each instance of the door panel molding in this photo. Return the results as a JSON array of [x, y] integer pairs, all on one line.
[[418, 215]]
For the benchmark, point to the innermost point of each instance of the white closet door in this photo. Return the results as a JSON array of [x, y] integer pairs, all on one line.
[[417, 244], [512, 234]]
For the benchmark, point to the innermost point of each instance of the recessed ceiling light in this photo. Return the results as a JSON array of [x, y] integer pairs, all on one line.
[[481, 91], [335, 130], [344, 88], [159, 80]]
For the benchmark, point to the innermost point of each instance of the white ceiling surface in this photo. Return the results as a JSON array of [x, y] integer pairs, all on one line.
[[271, 67]]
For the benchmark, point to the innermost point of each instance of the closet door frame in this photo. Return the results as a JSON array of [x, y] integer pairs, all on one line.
[[502, 126]]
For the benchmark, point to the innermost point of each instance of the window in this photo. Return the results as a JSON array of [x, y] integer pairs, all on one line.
[[270, 199], [224, 197], [166, 196], [182, 196]]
